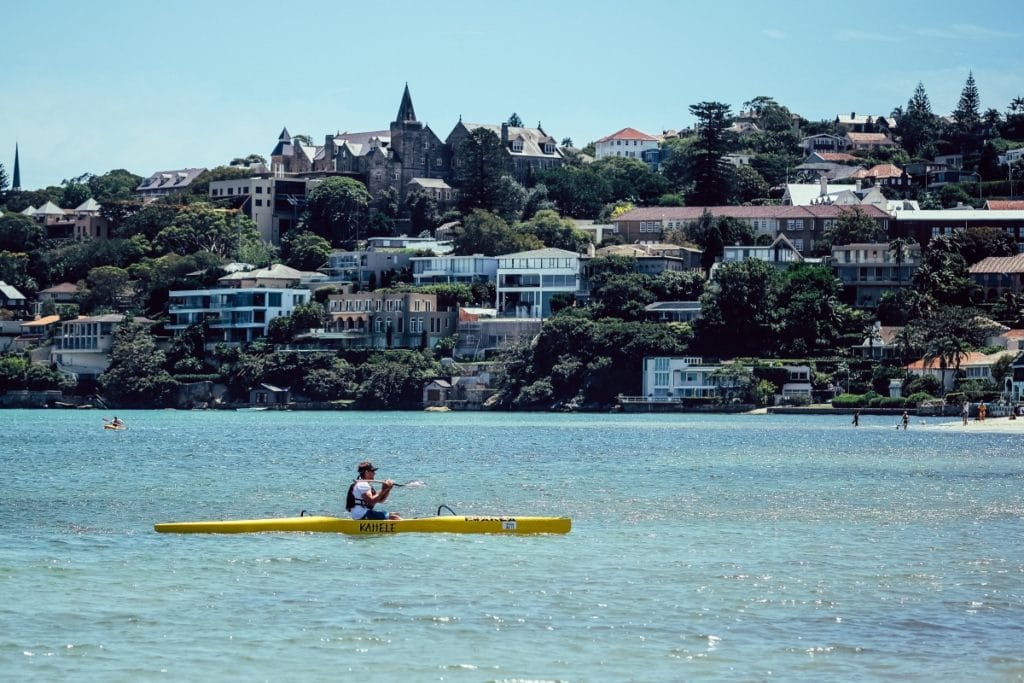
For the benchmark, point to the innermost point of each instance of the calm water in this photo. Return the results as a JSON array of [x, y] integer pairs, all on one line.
[[732, 548]]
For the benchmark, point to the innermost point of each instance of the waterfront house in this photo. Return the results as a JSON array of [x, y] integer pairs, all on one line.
[[82, 347], [63, 293], [973, 365], [234, 315], [383, 319], [12, 299], [269, 395], [481, 333], [367, 268], [781, 253], [668, 379], [881, 343], [36, 332]]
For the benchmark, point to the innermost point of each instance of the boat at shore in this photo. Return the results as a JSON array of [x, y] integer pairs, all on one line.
[[450, 524]]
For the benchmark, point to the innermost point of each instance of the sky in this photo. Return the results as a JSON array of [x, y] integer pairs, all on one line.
[[88, 87]]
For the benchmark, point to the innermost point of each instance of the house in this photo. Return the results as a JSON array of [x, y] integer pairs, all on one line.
[[802, 225], [1009, 339], [528, 151], [869, 141], [996, 275], [163, 183], [682, 258], [468, 390], [810, 194], [824, 145], [435, 188], [11, 298], [781, 253], [36, 332], [82, 346], [235, 315], [672, 311], [973, 365], [797, 385], [869, 270], [676, 378], [430, 270], [1014, 384], [629, 143], [528, 280], [63, 293], [385, 319], [368, 269], [481, 333], [269, 395], [864, 123], [405, 242], [880, 344], [255, 198], [1011, 156]]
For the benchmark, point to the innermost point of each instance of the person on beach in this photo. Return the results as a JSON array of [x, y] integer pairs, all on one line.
[[856, 418], [965, 413], [362, 498], [906, 420], [982, 409]]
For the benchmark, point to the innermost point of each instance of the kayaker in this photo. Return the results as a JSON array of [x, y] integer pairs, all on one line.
[[116, 421], [362, 499]]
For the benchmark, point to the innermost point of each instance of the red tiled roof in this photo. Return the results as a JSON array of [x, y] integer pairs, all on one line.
[[1005, 205], [628, 134], [999, 265], [974, 358], [62, 288], [836, 156], [692, 213], [885, 171]]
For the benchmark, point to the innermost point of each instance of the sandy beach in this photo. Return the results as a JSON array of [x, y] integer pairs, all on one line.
[[990, 425]]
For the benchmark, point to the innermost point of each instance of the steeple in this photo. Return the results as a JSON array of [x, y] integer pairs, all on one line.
[[16, 179], [405, 110]]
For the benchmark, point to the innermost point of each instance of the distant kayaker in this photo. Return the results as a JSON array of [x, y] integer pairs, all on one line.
[[117, 422], [362, 498]]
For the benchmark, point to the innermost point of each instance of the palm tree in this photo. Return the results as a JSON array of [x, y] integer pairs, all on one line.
[[899, 248]]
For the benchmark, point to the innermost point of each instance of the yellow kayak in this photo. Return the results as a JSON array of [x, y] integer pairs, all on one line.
[[119, 428], [451, 524]]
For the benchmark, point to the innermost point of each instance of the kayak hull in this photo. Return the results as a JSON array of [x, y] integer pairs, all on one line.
[[116, 428], [450, 524]]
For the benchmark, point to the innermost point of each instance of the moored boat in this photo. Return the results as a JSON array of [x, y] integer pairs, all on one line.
[[452, 524]]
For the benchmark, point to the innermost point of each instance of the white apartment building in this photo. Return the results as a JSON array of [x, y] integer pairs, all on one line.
[[528, 279], [628, 142], [430, 270], [237, 315], [82, 347]]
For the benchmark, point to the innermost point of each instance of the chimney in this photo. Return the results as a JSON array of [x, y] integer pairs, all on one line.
[[504, 134], [853, 114], [824, 186]]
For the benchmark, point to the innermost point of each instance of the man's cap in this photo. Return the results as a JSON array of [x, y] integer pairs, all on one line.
[[366, 466]]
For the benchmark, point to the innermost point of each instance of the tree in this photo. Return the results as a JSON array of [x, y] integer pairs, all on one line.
[[20, 233], [515, 121], [104, 288], [483, 232], [622, 296], [738, 310], [394, 379], [200, 228], [478, 165], [710, 175], [509, 199], [917, 126], [967, 115], [807, 317], [304, 250], [678, 285], [943, 274], [748, 185], [249, 160], [136, 377], [14, 270], [3, 184], [851, 227], [308, 316], [200, 185], [74, 194], [577, 191], [336, 210], [423, 211], [948, 334], [556, 232]]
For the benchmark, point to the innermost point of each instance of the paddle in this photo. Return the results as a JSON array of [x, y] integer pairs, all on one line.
[[415, 483]]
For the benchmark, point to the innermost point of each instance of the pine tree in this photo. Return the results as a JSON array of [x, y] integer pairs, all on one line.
[[968, 112], [710, 176], [917, 125]]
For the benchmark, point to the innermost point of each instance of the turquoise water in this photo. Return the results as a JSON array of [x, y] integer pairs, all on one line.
[[721, 548]]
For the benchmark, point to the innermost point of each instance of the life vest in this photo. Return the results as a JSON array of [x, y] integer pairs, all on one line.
[[351, 501]]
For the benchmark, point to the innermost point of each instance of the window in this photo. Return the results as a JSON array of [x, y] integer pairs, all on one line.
[[259, 202]]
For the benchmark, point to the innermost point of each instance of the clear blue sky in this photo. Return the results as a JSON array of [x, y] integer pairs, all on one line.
[[146, 86]]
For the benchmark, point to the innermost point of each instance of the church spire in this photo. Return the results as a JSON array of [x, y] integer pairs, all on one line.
[[405, 110], [16, 178]]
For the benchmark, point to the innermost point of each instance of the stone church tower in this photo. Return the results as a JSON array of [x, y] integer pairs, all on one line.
[[416, 150]]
